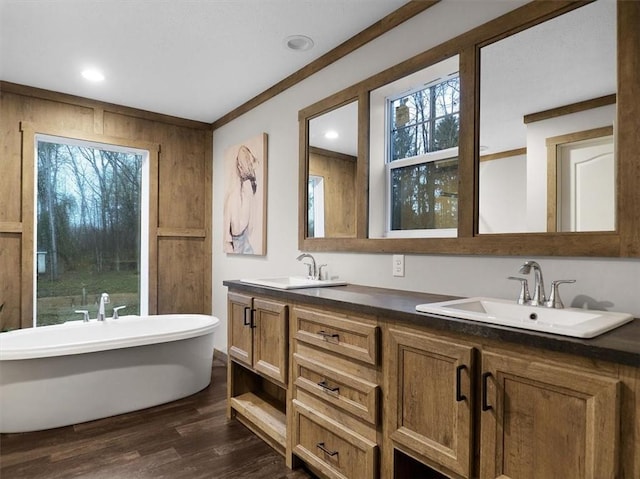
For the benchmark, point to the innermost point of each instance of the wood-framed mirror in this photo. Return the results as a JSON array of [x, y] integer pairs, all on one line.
[[333, 168], [618, 236]]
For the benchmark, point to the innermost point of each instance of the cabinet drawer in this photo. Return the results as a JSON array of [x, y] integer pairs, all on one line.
[[349, 393], [329, 447], [340, 335]]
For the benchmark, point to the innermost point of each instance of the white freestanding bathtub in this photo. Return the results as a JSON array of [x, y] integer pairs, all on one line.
[[65, 374]]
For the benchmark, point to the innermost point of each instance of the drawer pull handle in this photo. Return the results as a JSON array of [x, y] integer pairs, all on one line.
[[327, 336], [485, 405], [320, 446], [327, 388], [246, 321], [459, 396]]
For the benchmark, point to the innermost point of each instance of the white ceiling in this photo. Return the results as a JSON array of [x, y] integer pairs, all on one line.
[[195, 59], [569, 59]]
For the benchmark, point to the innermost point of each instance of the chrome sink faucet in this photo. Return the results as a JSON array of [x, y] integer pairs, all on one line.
[[312, 267], [314, 271], [539, 296], [103, 300]]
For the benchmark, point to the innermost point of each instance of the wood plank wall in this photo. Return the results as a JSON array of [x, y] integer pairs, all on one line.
[[180, 192]]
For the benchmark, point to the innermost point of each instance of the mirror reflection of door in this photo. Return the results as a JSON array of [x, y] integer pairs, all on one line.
[[586, 185], [548, 80]]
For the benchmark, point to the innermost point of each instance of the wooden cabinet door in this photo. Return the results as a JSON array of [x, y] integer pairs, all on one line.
[[542, 421], [270, 340], [240, 334], [430, 398]]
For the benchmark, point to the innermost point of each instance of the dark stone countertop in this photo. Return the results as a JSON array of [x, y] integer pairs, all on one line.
[[621, 345]]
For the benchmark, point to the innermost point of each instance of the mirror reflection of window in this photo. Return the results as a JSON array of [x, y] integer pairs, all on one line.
[[91, 201], [420, 168], [553, 79]]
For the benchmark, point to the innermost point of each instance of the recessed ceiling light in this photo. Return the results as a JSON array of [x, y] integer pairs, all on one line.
[[298, 43], [93, 75], [331, 135]]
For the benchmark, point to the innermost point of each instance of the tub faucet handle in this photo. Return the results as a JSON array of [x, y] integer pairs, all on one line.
[[115, 311], [85, 315]]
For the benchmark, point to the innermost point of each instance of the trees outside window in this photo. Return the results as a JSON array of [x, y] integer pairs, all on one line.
[[88, 229], [422, 159]]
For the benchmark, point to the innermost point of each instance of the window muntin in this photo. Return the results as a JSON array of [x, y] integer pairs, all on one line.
[[92, 202], [425, 120]]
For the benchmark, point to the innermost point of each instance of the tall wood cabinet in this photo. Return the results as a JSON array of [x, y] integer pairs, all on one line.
[[258, 367]]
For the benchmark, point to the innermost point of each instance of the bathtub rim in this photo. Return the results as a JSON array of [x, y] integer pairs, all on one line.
[[101, 344]]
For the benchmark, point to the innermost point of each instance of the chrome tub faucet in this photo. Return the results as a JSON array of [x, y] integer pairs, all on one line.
[[104, 299]]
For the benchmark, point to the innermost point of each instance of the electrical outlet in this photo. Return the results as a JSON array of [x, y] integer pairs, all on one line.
[[398, 265]]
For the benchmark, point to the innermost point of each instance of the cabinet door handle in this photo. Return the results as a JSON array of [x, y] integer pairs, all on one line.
[[485, 405], [327, 336], [252, 321], [459, 395], [327, 388], [246, 321], [320, 446]]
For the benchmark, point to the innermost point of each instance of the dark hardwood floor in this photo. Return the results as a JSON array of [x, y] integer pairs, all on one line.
[[190, 438]]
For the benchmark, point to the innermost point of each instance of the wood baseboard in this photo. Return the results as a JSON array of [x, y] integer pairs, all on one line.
[[221, 355]]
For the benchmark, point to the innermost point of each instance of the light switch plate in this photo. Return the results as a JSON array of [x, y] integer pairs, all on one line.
[[398, 265]]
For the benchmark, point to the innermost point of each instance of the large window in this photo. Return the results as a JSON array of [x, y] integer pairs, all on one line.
[[90, 204], [423, 185], [413, 184]]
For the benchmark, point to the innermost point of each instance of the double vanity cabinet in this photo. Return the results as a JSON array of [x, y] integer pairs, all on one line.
[[354, 383]]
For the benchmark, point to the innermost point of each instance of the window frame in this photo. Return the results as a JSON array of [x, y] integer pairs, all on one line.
[[145, 211], [421, 159]]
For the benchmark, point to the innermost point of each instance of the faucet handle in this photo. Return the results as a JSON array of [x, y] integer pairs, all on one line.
[[524, 297], [84, 313], [115, 311], [554, 300], [320, 270]]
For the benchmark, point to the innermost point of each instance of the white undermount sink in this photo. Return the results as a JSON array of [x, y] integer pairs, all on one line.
[[294, 282], [578, 323]]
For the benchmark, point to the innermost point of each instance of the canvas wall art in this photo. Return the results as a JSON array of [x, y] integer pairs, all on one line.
[[245, 197]]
